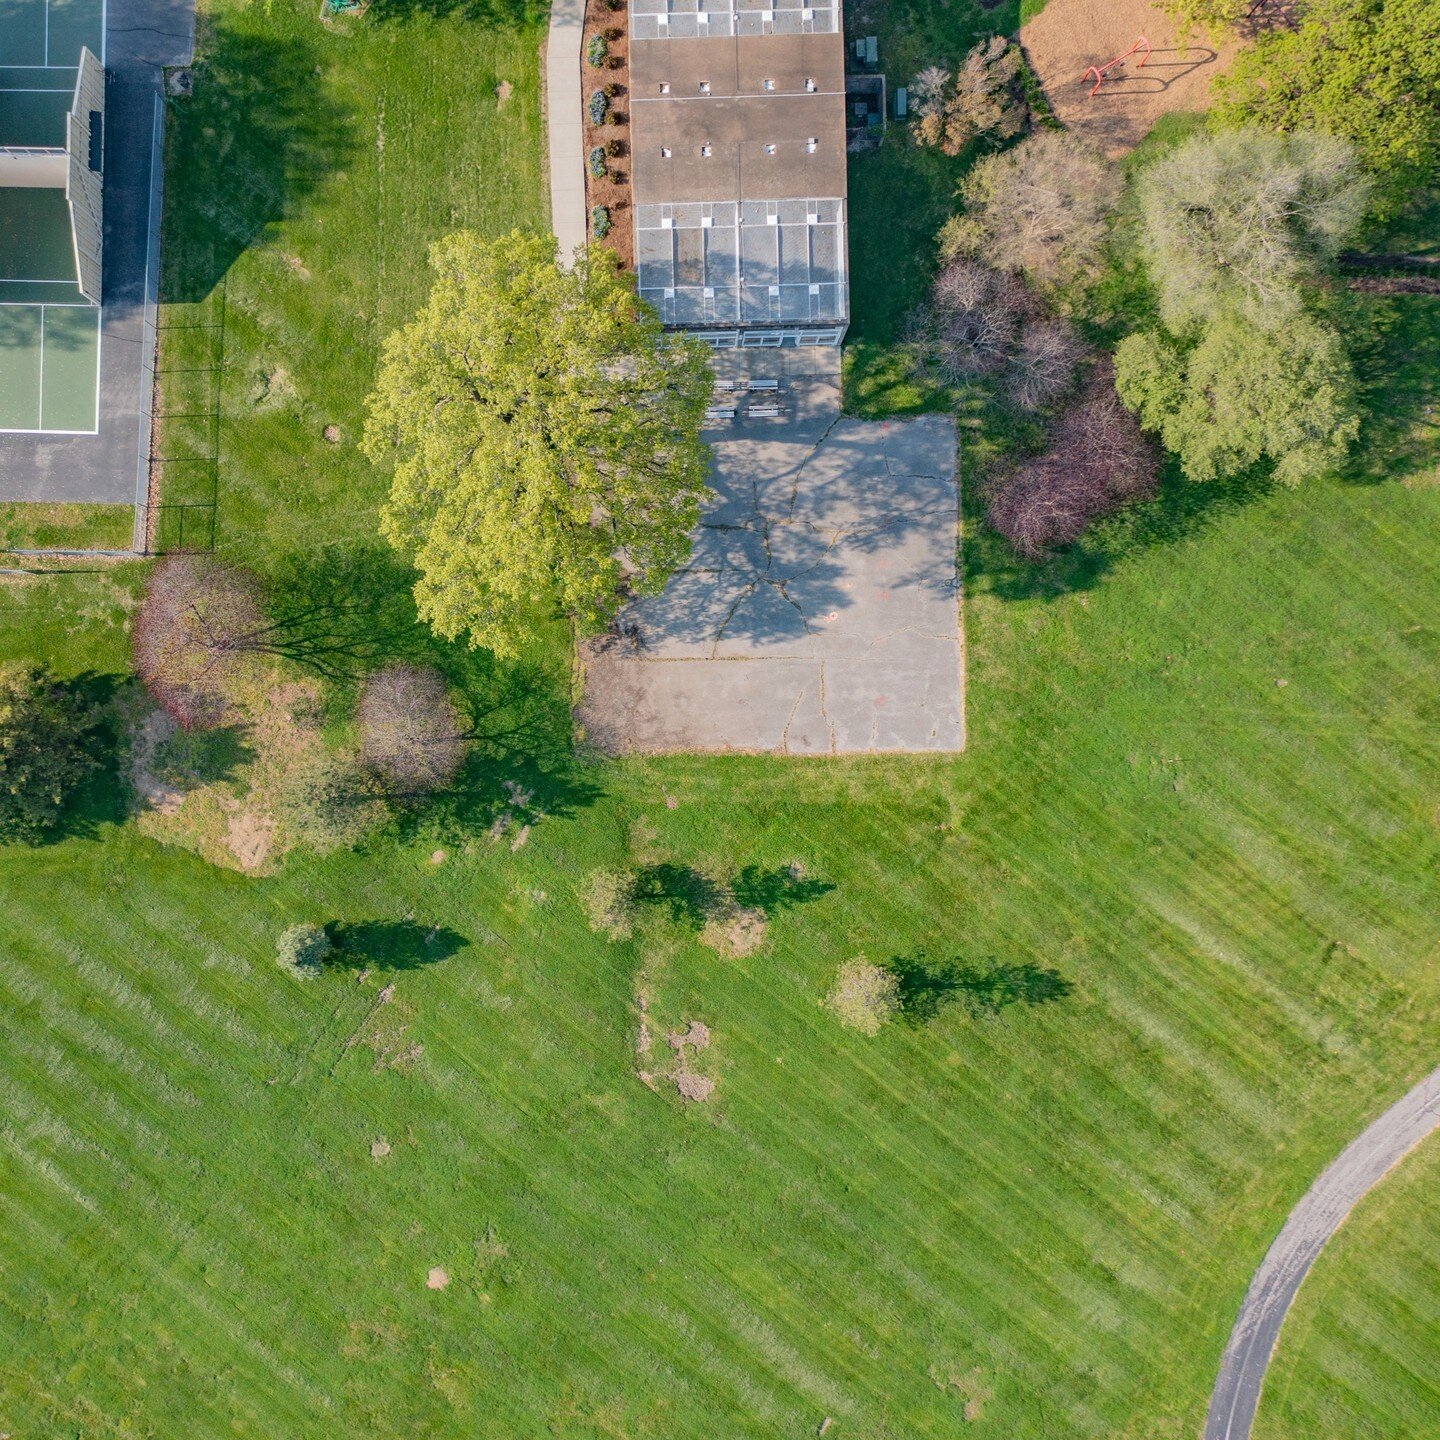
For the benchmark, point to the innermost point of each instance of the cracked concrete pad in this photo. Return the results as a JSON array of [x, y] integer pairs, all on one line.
[[819, 613]]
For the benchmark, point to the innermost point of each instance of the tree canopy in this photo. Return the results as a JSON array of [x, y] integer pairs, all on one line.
[[1241, 394], [545, 439], [1041, 209], [47, 748], [1241, 221], [1365, 70]]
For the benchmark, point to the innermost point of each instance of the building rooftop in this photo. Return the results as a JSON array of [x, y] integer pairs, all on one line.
[[737, 158]]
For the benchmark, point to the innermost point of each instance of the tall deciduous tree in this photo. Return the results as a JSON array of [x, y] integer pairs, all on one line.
[[1242, 394], [47, 748], [545, 436], [1365, 70], [1041, 210], [1241, 221]]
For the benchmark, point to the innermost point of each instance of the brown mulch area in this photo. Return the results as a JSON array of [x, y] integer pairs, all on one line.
[[614, 190], [1069, 35]]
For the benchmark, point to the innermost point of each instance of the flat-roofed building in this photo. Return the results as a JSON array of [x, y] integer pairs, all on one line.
[[737, 135]]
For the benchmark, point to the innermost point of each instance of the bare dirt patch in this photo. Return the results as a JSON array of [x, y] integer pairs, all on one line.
[[694, 1086], [696, 1035], [1067, 36], [379, 1148], [437, 1279], [249, 836], [737, 933], [151, 791]]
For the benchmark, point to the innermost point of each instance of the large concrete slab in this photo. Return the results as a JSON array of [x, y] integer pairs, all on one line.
[[819, 613]]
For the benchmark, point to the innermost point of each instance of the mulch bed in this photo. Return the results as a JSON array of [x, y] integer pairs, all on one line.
[[614, 190]]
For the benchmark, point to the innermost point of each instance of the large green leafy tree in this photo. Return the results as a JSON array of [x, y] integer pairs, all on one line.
[[1241, 394], [1244, 220], [545, 436], [1365, 70], [48, 745]]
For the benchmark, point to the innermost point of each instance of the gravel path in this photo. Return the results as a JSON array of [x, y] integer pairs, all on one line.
[[1311, 1223]]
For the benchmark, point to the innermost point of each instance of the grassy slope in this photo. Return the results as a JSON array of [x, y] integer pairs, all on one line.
[[1060, 1206], [1049, 1213], [1358, 1355]]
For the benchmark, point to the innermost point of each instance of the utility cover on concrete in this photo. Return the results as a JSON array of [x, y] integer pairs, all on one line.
[[819, 613]]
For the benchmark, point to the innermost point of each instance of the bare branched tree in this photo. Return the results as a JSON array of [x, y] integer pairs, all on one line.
[[1042, 367], [983, 98], [411, 733], [971, 322], [197, 619], [1097, 460], [1042, 209]]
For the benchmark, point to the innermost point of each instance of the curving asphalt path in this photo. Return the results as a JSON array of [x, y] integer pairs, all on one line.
[[1310, 1224]]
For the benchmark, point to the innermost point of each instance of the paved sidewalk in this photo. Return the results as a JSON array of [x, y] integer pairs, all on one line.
[[1320, 1212], [563, 118]]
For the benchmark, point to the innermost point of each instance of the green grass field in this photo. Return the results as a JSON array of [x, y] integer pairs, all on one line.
[[1357, 1357], [1199, 800]]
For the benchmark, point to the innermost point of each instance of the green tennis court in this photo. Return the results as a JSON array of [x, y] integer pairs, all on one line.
[[49, 330], [49, 365]]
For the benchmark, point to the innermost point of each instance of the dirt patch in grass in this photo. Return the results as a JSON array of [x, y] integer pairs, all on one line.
[[151, 791], [1068, 36], [736, 933], [436, 1278], [379, 1148], [248, 837], [694, 1086]]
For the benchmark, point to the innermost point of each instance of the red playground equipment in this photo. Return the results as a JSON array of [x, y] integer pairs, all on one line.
[[1100, 72]]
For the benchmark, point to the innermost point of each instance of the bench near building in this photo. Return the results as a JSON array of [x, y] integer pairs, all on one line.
[[737, 134]]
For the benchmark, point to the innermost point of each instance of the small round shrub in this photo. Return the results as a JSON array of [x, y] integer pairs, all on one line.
[[600, 222], [597, 163], [609, 901], [615, 4], [864, 997], [598, 107], [596, 50], [614, 147], [301, 950]]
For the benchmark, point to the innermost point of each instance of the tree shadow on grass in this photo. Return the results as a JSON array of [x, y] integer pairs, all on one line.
[[693, 898], [260, 131], [1396, 343], [983, 990], [391, 944], [342, 609], [1182, 509]]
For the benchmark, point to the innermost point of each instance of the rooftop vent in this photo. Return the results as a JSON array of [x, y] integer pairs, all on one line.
[[810, 84], [704, 87], [706, 151], [768, 84], [810, 145], [769, 149], [664, 87], [664, 152]]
